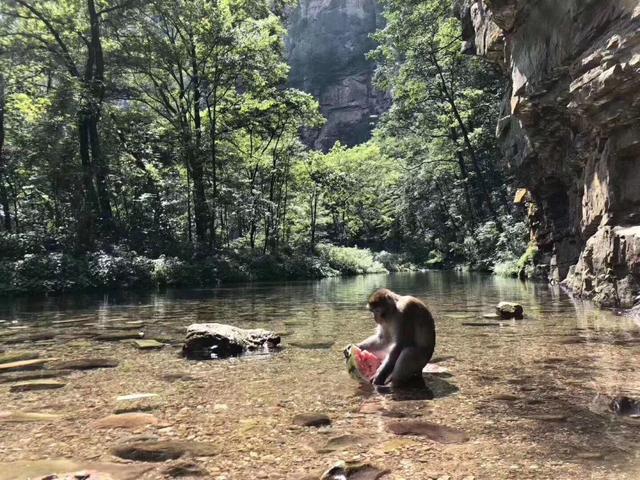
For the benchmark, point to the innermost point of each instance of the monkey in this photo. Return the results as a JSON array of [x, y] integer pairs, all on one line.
[[405, 336]]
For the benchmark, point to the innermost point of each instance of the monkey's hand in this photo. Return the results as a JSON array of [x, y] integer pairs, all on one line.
[[380, 378]]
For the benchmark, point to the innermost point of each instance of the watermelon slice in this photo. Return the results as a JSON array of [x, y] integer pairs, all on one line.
[[361, 364]]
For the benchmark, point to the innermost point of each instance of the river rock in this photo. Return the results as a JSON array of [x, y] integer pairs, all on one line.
[[312, 344], [148, 344], [66, 469], [17, 356], [26, 417], [353, 471], [30, 337], [32, 375], [33, 385], [126, 420], [116, 336], [85, 364], [184, 468], [24, 364], [510, 310], [341, 442], [214, 340], [312, 420], [433, 431], [162, 450]]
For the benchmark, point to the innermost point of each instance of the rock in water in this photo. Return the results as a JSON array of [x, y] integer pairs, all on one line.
[[33, 385], [353, 471], [312, 420], [85, 364], [510, 310], [214, 340], [433, 431], [162, 450]]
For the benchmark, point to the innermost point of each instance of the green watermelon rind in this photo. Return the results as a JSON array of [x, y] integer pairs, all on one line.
[[352, 366]]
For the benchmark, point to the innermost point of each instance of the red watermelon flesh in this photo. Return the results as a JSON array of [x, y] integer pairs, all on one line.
[[367, 362]]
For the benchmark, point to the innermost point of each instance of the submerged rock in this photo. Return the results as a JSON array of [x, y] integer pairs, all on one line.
[[24, 364], [353, 471], [65, 469], [341, 442], [312, 344], [184, 468], [162, 450], [510, 310], [214, 340], [33, 385], [17, 356], [26, 417], [311, 420], [148, 344], [126, 420], [32, 375], [115, 336], [433, 431], [85, 364]]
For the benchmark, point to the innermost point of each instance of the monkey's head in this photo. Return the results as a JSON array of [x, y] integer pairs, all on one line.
[[382, 303]]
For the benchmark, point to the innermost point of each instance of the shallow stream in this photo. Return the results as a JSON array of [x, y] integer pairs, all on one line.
[[531, 396]]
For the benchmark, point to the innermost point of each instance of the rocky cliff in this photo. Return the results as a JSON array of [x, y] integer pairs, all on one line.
[[326, 45], [570, 129]]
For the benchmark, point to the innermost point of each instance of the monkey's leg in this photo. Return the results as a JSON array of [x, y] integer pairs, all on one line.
[[409, 365]]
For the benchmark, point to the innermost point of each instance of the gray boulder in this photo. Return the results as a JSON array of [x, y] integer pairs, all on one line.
[[205, 341]]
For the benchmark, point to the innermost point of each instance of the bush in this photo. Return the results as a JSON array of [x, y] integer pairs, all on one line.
[[14, 246], [350, 261], [121, 270]]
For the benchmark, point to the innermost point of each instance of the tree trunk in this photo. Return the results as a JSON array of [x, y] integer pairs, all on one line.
[[4, 194]]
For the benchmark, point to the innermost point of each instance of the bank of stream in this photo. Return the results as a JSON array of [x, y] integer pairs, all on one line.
[[531, 396]]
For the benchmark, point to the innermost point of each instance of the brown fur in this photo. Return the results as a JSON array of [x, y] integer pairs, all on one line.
[[406, 331]]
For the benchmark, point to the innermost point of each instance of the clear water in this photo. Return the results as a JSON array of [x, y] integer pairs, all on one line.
[[532, 395]]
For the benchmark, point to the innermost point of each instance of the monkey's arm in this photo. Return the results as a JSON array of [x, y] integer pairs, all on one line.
[[373, 343], [388, 365]]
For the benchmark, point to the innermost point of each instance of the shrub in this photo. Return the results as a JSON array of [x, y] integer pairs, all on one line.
[[350, 261]]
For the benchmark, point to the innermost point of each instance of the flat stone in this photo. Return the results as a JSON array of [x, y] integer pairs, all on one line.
[[85, 364], [126, 420], [434, 369], [313, 344], [30, 337], [491, 316], [163, 450], [433, 431], [17, 356], [481, 324], [148, 344], [116, 336], [183, 468], [510, 310], [341, 442], [34, 385], [26, 417], [312, 420], [590, 456], [178, 377], [504, 397], [24, 364], [136, 396], [548, 418], [66, 469], [353, 471], [22, 376]]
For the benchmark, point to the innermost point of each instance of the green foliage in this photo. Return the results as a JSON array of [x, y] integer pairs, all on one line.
[[350, 261]]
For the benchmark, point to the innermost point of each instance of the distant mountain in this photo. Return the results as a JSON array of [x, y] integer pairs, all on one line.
[[327, 43]]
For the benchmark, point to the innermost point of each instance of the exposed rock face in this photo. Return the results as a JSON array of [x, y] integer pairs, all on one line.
[[571, 132], [327, 43]]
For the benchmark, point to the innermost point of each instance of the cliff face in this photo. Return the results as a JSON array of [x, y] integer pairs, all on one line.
[[570, 129], [327, 43]]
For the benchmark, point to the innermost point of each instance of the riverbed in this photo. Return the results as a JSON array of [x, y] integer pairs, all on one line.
[[529, 397]]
